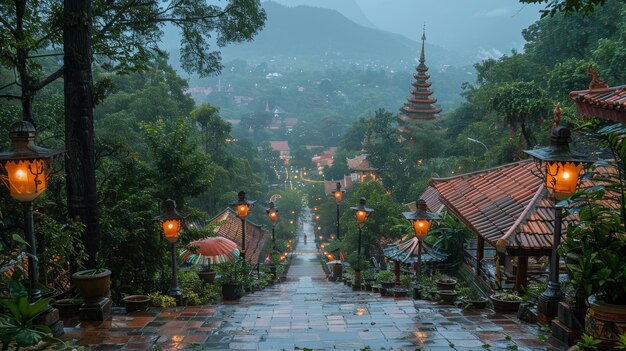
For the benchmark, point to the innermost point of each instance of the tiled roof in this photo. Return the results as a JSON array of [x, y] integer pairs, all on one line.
[[502, 203], [507, 205], [431, 196], [280, 145], [360, 163], [230, 227], [606, 103], [331, 185]]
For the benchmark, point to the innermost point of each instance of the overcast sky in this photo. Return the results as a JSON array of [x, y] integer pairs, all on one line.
[[477, 28]]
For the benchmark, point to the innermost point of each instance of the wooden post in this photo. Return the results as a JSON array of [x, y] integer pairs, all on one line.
[[397, 271], [521, 275], [480, 253]]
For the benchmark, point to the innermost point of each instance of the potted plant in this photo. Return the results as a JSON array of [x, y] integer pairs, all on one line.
[[136, 302], [471, 299], [234, 277], [596, 245], [405, 284], [92, 284], [504, 302], [386, 281], [445, 282], [206, 273], [447, 296], [426, 287], [369, 279]]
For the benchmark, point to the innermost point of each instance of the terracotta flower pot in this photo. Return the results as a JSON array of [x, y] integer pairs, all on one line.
[[92, 284], [136, 303], [446, 284], [207, 277], [504, 306], [605, 321], [447, 296]]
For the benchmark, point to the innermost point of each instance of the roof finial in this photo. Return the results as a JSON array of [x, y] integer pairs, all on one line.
[[422, 58]]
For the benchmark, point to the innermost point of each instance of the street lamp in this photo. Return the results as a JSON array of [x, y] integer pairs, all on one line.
[[272, 213], [26, 165], [242, 206], [171, 222], [338, 195], [486, 150], [361, 212], [562, 168], [420, 221]]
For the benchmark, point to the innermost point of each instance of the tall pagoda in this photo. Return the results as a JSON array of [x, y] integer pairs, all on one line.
[[420, 104]]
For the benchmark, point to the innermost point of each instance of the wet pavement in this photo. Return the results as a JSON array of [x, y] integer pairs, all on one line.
[[307, 311]]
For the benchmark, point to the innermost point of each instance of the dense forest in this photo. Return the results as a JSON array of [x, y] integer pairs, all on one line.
[[153, 141]]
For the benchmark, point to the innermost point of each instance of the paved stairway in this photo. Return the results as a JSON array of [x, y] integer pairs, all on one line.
[[309, 312]]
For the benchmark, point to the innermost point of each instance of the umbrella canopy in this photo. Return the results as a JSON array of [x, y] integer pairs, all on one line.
[[210, 250], [406, 251], [334, 262]]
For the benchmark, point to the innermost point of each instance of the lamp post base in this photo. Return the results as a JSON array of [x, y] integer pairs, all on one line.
[[548, 303]]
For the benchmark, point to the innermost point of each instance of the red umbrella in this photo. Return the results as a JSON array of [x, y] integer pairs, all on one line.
[[210, 250]]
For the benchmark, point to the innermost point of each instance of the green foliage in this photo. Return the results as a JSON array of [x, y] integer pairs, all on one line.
[[506, 296], [588, 342], [62, 247], [385, 276], [450, 236], [234, 272], [567, 6], [180, 169], [162, 300], [406, 281], [16, 319], [196, 291], [598, 239]]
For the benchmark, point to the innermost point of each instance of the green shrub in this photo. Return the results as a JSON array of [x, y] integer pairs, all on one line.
[[162, 300]]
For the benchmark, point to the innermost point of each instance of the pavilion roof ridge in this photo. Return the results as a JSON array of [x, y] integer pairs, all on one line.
[[502, 243]]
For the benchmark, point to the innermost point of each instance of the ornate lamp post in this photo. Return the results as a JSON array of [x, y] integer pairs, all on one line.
[[171, 222], [26, 165], [361, 212], [562, 168], [338, 195], [420, 220], [272, 213], [242, 206]]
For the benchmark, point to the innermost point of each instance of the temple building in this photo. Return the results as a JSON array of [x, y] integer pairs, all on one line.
[[419, 106]]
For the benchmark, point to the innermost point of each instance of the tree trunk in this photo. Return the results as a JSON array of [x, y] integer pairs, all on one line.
[[79, 134]]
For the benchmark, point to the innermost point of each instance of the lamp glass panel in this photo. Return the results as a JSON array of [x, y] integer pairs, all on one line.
[[242, 210], [338, 196], [273, 215], [562, 177], [171, 229], [420, 227], [27, 178], [361, 216]]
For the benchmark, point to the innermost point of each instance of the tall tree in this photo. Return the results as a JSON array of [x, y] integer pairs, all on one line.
[[125, 35]]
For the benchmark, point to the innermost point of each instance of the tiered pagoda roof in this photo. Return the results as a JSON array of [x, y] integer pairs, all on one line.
[[419, 106]]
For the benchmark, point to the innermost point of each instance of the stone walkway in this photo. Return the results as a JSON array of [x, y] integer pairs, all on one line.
[[309, 312]]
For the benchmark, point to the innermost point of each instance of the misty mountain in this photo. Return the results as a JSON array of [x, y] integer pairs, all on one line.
[[312, 34], [348, 8]]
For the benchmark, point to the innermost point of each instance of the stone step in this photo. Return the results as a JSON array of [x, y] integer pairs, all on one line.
[[563, 333]]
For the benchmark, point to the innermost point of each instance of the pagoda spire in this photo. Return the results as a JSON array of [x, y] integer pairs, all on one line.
[[422, 57], [419, 106]]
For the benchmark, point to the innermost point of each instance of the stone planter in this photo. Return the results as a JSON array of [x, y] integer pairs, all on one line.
[[447, 296], [399, 292], [605, 321], [448, 285], [376, 288], [368, 286], [136, 303], [92, 284], [475, 304], [503, 306]]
